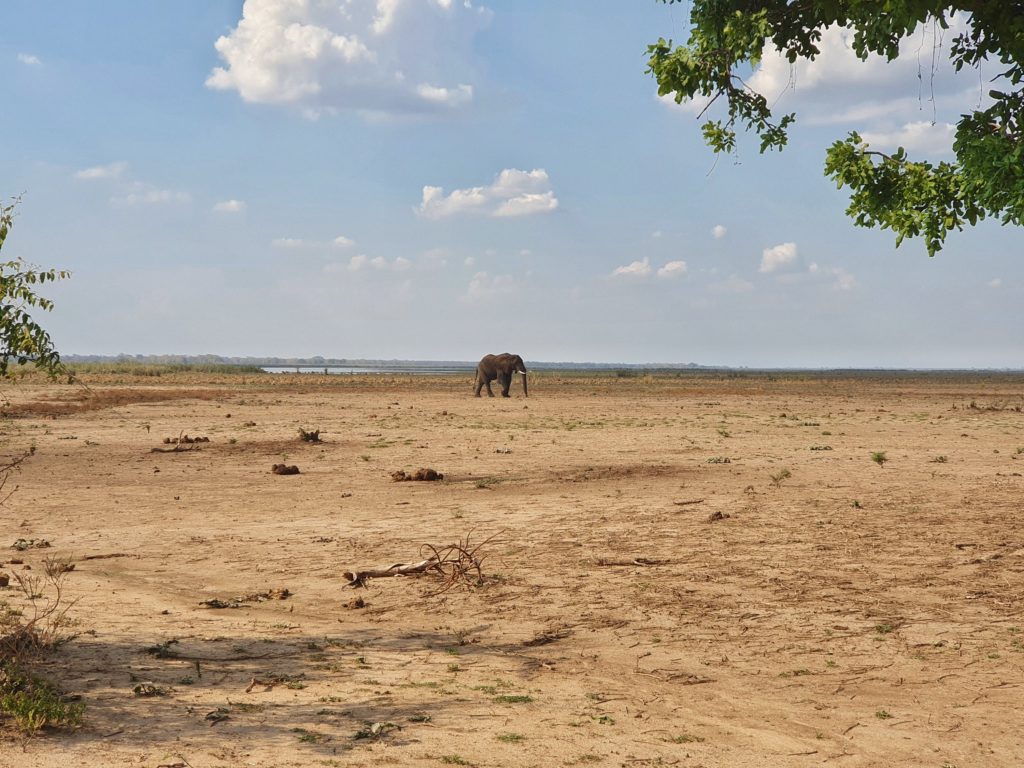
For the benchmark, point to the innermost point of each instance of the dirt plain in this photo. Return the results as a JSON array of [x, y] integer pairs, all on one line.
[[652, 595]]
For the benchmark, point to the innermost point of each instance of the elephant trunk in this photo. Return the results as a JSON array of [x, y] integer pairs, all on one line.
[[525, 392]]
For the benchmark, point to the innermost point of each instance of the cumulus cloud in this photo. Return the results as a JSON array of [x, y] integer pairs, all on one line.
[[844, 281], [145, 194], [513, 193], [718, 231], [294, 243], [362, 261], [483, 287], [640, 268], [376, 57], [29, 59], [672, 269], [777, 257], [109, 171], [229, 206], [920, 136]]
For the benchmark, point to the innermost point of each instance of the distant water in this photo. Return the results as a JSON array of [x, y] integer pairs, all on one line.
[[349, 369]]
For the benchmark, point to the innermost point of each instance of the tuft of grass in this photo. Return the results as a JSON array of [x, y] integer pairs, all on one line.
[[879, 458], [778, 477], [940, 459], [884, 628], [34, 703], [511, 738], [883, 714], [686, 738], [512, 699], [719, 460], [454, 760]]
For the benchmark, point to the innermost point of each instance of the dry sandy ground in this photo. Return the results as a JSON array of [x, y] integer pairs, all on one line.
[[850, 614]]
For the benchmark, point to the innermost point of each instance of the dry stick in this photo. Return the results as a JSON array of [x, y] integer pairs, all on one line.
[[687, 503], [634, 561], [107, 557], [358, 578]]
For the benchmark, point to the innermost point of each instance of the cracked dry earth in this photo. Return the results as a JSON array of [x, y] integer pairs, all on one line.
[[660, 592]]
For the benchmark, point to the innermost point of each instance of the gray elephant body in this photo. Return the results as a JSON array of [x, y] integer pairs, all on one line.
[[501, 367]]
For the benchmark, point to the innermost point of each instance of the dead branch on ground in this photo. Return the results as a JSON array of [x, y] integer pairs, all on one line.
[[454, 563]]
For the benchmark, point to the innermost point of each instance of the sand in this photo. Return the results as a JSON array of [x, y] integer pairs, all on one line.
[[658, 590]]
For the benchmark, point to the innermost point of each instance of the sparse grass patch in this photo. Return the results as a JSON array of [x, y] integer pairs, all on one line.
[[686, 738], [719, 460], [940, 459], [511, 738], [512, 699], [34, 703], [883, 714], [879, 458], [778, 477]]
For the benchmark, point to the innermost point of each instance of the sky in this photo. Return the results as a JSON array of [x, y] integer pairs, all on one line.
[[440, 179]]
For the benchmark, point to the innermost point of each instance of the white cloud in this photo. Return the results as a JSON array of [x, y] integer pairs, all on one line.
[[29, 59], [145, 194], [995, 283], [109, 171], [295, 243], [525, 252], [469, 261], [640, 268], [777, 256], [656, 234], [733, 284], [290, 243], [921, 136], [844, 281], [229, 206], [362, 261], [484, 287], [672, 269], [376, 57], [513, 193], [449, 97], [718, 231]]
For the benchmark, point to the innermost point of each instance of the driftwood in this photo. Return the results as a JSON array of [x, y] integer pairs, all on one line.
[[358, 578], [454, 563], [634, 561]]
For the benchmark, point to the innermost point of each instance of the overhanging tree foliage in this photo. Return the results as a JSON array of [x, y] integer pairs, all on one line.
[[912, 198], [22, 339]]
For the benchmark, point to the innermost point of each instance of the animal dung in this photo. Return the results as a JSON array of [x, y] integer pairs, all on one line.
[[420, 474], [185, 440], [284, 469]]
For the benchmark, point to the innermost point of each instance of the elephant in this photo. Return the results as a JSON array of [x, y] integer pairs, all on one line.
[[500, 367]]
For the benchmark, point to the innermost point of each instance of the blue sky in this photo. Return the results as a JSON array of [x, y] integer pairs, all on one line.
[[432, 179]]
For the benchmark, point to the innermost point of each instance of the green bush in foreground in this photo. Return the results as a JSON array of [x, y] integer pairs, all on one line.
[[33, 703]]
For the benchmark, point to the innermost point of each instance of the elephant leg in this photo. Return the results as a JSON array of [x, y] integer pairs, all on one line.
[[490, 392], [478, 384], [505, 379]]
